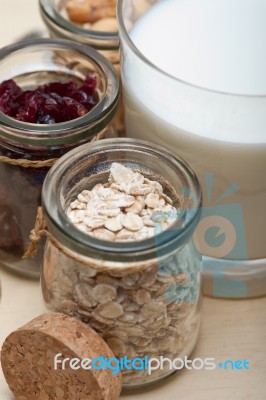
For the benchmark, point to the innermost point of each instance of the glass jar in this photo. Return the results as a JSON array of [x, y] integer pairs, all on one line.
[[30, 64], [215, 132], [55, 17], [107, 43], [154, 284]]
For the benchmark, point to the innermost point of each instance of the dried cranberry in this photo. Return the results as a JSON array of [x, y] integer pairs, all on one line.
[[51, 107], [60, 88], [90, 84], [28, 111], [9, 93], [73, 109], [10, 87], [83, 98], [57, 98]]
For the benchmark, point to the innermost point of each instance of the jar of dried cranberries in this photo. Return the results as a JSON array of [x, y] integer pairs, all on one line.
[[91, 22], [54, 96], [120, 254]]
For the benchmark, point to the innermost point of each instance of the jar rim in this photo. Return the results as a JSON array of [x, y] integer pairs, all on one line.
[[73, 130], [64, 231], [51, 15]]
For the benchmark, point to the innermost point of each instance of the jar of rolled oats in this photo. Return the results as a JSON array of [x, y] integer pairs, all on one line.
[[120, 257], [31, 138]]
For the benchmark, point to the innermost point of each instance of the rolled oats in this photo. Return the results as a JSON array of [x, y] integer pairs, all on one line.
[[148, 221], [121, 296], [110, 310], [82, 295], [152, 200], [103, 293], [104, 234], [109, 211], [78, 205], [125, 236], [102, 321], [84, 196], [95, 222], [117, 333], [132, 222], [142, 296], [135, 208], [117, 346], [126, 206], [86, 274], [107, 280], [114, 224], [153, 309], [132, 306], [129, 317]]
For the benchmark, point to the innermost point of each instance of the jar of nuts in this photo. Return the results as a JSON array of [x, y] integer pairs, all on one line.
[[54, 96], [120, 255], [90, 22]]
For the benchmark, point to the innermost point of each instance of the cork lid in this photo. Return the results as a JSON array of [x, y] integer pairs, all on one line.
[[33, 361]]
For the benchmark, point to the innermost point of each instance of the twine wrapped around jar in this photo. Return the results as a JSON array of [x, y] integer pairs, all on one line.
[[28, 163]]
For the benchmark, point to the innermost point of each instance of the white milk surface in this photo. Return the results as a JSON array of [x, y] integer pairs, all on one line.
[[215, 44]]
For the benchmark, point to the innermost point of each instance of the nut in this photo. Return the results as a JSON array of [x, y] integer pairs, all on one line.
[[106, 25], [90, 10]]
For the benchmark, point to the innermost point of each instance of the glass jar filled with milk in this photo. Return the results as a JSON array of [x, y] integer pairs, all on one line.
[[194, 79]]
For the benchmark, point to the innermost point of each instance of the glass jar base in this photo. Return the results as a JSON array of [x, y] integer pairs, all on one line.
[[25, 269], [149, 384], [234, 279]]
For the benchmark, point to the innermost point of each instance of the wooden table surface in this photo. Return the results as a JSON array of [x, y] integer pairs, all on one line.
[[230, 329]]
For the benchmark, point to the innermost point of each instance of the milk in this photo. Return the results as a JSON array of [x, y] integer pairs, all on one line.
[[216, 44], [207, 106]]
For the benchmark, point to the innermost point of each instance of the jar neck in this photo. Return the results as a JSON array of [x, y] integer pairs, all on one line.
[[67, 135], [64, 181], [48, 60]]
